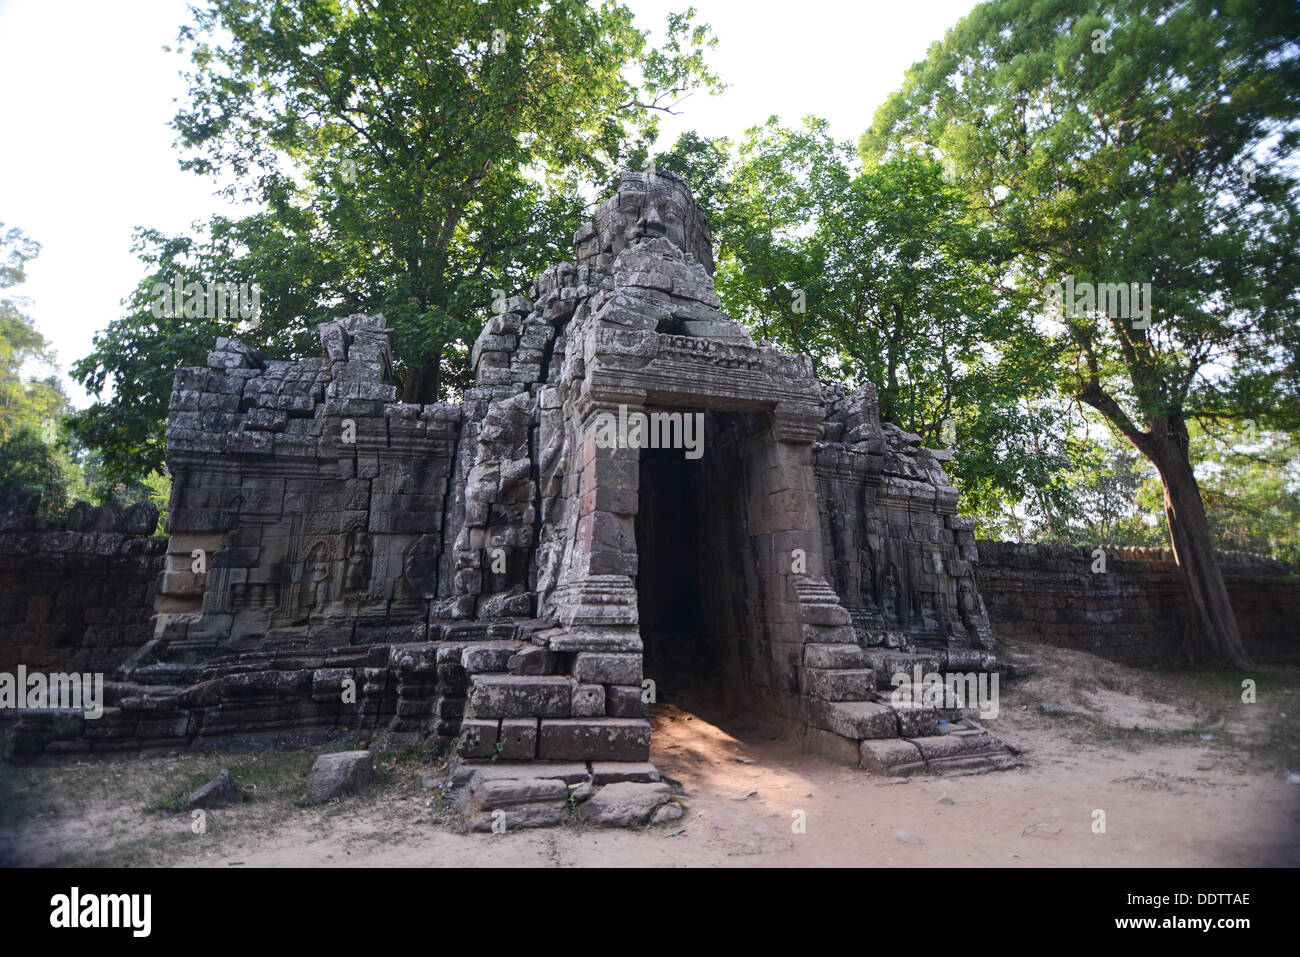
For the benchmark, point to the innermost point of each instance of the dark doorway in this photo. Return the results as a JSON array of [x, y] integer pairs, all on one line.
[[669, 576], [693, 570]]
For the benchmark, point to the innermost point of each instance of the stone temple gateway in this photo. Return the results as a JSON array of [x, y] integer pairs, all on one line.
[[499, 575]]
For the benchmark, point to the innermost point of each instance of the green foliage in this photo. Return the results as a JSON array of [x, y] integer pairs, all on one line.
[[96, 486], [1251, 486], [1134, 142], [1112, 496], [28, 462], [879, 273], [33, 454], [1112, 501], [135, 357], [30, 401], [405, 157], [1130, 165], [1103, 498]]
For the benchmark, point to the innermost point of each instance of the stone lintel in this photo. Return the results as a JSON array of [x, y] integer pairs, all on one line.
[[796, 422]]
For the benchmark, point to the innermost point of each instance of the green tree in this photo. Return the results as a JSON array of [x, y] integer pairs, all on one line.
[[33, 454], [406, 157], [1250, 483], [1138, 141], [23, 401], [29, 462]]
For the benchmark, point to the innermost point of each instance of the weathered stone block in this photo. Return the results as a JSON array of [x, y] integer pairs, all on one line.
[[518, 818], [937, 746], [515, 696], [839, 684], [834, 656], [611, 772], [625, 701], [854, 719], [518, 739], [504, 792], [478, 738], [613, 669], [531, 660], [588, 700], [624, 804], [891, 757], [488, 656], [917, 722], [335, 775], [594, 739], [221, 791]]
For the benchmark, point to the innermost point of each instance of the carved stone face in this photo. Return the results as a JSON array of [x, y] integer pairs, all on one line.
[[651, 205]]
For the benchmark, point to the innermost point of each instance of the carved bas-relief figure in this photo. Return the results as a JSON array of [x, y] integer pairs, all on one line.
[[316, 576], [356, 565], [420, 567], [893, 600], [967, 604]]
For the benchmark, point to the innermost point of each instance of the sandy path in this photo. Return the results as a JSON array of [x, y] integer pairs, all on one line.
[[1164, 806]]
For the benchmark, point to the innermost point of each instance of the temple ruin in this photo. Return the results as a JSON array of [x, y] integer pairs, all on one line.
[[634, 500]]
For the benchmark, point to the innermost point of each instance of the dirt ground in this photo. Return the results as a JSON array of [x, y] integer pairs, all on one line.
[[1184, 771]]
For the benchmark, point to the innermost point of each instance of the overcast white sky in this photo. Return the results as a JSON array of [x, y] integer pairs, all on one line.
[[88, 92]]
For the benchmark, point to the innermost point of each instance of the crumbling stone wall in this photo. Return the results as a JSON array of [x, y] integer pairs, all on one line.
[[77, 593], [1136, 610], [307, 506]]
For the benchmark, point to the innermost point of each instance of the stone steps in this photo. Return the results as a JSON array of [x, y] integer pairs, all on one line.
[[500, 796], [833, 656], [849, 721], [839, 684], [961, 752], [558, 717], [848, 711]]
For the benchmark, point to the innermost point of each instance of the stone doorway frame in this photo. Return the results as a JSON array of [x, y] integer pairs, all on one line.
[[596, 602]]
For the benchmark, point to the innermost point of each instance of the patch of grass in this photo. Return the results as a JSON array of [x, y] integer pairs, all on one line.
[[277, 773], [128, 810], [1278, 748], [1212, 678], [1096, 731]]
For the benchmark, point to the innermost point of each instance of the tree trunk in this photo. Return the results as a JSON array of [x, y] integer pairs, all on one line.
[[1214, 633], [431, 379], [421, 385]]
